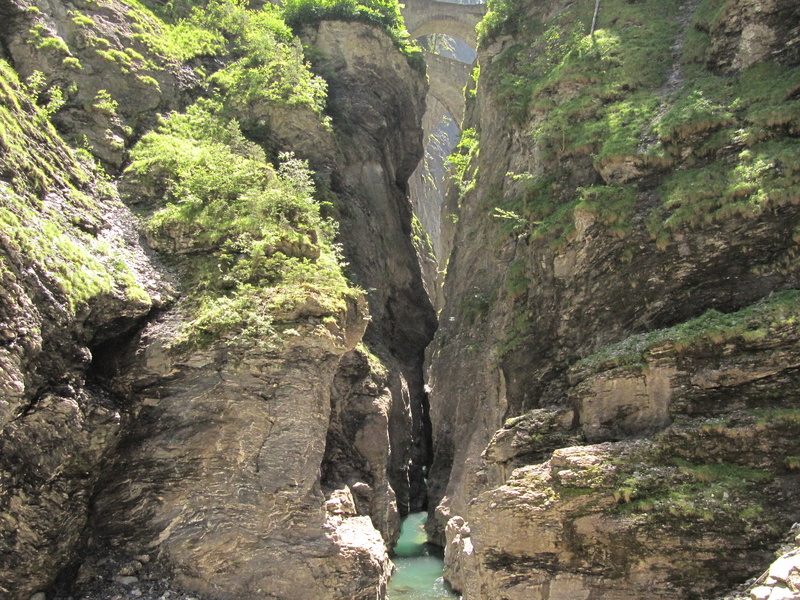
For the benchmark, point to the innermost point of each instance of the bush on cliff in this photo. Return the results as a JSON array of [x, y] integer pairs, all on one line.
[[250, 238], [723, 144]]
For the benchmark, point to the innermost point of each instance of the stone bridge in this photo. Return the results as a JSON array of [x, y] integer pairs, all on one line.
[[447, 76], [424, 17]]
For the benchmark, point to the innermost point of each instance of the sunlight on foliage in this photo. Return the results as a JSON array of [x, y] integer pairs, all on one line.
[[249, 234]]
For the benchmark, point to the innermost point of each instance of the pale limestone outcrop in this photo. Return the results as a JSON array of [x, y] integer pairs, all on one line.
[[558, 520], [751, 31], [220, 474], [781, 581], [358, 445], [564, 529]]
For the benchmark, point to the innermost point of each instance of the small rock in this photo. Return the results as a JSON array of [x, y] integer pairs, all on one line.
[[782, 593], [783, 567], [38, 596], [126, 580], [762, 592], [136, 593], [131, 568]]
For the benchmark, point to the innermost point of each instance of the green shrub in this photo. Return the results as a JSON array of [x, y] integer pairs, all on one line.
[[180, 41], [72, 63], [271, 69], [255, 245], [81, 20], [460, 159]]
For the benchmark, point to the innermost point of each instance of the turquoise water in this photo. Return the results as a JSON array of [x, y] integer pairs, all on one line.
[[419, 570]]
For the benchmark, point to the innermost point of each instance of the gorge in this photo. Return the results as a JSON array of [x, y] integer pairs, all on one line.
[[251, 315]]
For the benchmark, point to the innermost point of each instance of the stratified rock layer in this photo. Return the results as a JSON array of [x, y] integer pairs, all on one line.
[[549, 440]]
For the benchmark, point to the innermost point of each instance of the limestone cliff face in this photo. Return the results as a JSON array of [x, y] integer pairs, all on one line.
[[591, 224], [219, 474], [240, 467], [82, 57], [377, 103]]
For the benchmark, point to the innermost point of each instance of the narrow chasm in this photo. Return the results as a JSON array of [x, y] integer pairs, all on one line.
[[449, 50]]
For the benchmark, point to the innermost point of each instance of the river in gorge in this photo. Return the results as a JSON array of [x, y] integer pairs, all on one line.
[[419, 567]]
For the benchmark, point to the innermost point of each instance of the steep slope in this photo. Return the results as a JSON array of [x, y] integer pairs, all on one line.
[[73, 278], [623, 186], [244, 439]]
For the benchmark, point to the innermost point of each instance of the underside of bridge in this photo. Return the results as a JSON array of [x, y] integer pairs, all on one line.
[[447, 78]]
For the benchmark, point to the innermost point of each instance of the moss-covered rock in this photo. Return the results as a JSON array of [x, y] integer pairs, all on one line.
[[71, 279], [625, 258]]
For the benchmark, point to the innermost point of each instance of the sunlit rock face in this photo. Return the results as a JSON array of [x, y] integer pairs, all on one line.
[[220, 473], [227, 469], [577, 364], [234, 469]]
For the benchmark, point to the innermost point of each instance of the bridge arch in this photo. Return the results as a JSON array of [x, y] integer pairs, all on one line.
[[447, 76], [424, 17], [445, 111]]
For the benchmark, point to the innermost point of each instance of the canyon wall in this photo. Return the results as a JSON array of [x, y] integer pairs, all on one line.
[[194, 394], [613, 383]]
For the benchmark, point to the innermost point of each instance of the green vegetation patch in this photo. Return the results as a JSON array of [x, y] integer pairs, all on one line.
[[184, 39], [778, 315], [265, 62], [726, 143], [682, 494], [45, 230], [271, 68], [461, 161], [79, 264], [582, 97], [777, 416], [251, 239]]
